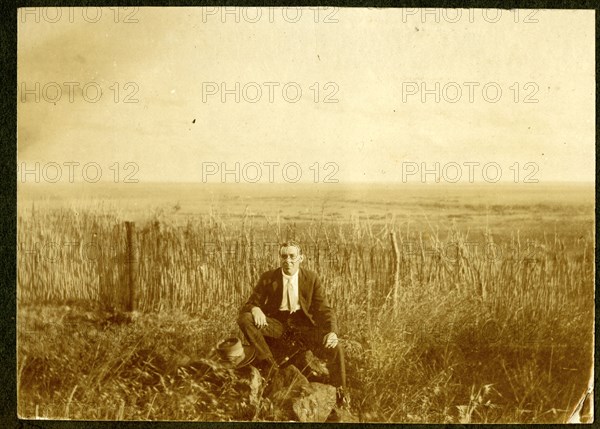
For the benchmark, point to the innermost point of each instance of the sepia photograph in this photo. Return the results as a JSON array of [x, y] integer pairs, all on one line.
[[305, 214]]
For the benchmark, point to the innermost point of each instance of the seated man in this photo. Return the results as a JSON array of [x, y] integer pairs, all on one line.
[[291, 298]]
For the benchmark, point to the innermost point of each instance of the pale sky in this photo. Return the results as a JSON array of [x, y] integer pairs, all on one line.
[[372, 57]]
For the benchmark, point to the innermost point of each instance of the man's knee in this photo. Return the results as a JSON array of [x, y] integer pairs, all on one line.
[[245, 319]]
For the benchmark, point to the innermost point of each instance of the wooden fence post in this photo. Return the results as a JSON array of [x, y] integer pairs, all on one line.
[[131, 265]]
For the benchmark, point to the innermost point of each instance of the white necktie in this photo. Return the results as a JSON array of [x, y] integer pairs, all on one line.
[[290, 295]]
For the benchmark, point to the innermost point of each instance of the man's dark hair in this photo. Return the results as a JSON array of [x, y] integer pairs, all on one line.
[[291, 243]]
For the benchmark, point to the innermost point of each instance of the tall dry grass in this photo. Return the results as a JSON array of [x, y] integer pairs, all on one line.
[[496, 331]]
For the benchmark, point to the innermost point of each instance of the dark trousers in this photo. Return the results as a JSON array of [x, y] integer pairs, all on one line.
[[302, 331]]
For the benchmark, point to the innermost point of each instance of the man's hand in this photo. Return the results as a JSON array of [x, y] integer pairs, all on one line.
[[330, 340], [260, 320]]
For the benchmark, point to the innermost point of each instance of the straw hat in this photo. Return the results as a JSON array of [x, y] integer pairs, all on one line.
[[232, 353]]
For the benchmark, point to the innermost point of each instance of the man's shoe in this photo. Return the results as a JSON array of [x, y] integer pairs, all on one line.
[[342, 398]]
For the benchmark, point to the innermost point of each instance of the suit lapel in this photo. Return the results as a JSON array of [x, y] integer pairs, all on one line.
[[302, 289], [277, 284]]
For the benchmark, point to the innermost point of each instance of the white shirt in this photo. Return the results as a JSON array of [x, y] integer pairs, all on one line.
[[295, 305]]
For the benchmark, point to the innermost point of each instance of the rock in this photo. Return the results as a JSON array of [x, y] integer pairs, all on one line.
[[303, 402], [286, 379], [181, 360], [315, 403], [341, 415], [250, 384], [312, 366]]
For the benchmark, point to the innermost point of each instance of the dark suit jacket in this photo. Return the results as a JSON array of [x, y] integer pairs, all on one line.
[[268, 294]]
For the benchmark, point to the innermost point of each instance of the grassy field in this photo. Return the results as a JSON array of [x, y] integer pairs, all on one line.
[[492, 320]]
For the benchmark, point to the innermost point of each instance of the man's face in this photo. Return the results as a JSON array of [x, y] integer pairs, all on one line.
[[290, 260]]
